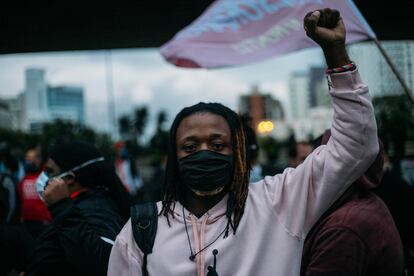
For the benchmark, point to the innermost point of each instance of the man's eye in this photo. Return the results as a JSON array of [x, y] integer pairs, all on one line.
[[189, 148], [218, 146]]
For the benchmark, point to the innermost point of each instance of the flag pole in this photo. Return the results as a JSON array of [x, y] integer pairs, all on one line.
[[394, 70], [113, 129]]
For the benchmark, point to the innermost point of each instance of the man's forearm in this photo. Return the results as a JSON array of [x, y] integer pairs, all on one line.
[[336, 56]]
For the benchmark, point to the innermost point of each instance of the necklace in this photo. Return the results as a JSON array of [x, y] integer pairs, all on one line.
[[193, 255]]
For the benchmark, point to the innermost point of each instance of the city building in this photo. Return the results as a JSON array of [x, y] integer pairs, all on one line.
[[299, 96], [17, 111], [5, 115], [376, 73], [66, 102], [309, 100], [318, 87], [40, 103], [266, 113], [35, 103]]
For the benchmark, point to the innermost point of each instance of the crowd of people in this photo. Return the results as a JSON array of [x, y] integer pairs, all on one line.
[[211, 208]]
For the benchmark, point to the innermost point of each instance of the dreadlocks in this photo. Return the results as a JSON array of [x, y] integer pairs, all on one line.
[[238, 188]]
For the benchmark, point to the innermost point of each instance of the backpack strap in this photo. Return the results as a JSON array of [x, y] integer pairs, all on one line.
[[144, 222]]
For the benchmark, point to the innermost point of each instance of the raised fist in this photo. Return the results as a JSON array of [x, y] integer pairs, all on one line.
[[325, 27]]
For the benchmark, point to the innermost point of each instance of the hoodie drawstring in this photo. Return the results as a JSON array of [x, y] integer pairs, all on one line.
[[199, 237]]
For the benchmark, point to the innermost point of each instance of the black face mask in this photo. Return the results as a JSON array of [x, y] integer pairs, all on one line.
[[29, 167], [206, 170]]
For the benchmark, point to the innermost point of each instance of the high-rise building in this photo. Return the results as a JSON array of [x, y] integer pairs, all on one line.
[[17, 111], [309, 102], [35, 90], [299, 97], [375, 71], [67, 103], [38, 103], [260, 107], [5, 115], [35, 98], [318, 88]]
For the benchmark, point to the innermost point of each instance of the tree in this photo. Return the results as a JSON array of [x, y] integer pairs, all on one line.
[[57, 131], [161, 119], [124, 127], [140, 121], [159, 141]]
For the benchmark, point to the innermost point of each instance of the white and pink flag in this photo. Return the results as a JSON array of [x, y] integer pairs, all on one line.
[[236, 32]]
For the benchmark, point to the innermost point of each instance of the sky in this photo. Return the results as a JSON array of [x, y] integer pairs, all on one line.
[[143, 77]]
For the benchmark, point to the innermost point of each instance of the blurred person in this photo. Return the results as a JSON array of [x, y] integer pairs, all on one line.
[[356, 236], [34, 214], [127, 170], [299, 154], [20, 157], [152, 190], [9, 198], [16, 245], [407, 170], [398, 195], [8, 162], [256, 171], [88, 205], [211, 221]]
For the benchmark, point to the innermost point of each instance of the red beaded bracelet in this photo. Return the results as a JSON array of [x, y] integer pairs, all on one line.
[[344, 68]]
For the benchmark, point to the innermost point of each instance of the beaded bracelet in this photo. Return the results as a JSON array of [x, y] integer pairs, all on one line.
[[344, 68]]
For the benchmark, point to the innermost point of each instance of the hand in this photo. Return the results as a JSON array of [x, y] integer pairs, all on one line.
[[55, 191], [326, 28]]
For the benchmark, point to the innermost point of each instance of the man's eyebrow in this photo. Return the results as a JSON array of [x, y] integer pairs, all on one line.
[[195, 138], [217, 135], [189, 138]]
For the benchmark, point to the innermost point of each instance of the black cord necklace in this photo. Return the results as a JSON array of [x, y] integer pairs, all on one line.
[[193, 255]]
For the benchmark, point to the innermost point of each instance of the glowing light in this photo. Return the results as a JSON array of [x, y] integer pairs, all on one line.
[[265, 127]]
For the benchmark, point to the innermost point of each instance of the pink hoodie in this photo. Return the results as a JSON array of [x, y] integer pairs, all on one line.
[[280, 210]]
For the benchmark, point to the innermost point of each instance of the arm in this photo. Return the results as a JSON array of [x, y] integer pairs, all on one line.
[[126, 258], [300, 196]]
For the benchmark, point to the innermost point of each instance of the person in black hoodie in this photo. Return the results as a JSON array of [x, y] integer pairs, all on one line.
[[89, 206]]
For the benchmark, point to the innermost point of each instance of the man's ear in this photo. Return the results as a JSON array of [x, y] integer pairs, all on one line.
[[70, 178]]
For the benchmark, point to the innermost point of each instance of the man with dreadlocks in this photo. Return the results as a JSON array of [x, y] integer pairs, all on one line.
[[212, 222]]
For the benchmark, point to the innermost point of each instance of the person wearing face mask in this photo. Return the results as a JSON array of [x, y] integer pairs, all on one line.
[[34, 213], [212, 222], [88, 205]]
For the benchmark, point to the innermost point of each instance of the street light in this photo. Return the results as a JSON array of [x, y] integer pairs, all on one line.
[[265, 127]]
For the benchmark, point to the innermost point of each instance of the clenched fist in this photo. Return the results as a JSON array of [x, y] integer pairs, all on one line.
[[326, 28]]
